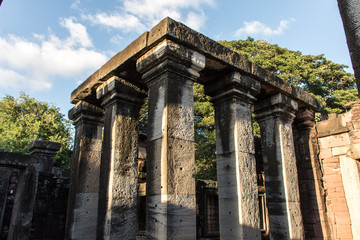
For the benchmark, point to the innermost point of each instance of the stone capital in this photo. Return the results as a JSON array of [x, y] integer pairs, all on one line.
[[45, 151], [118, 89], [304, 118], [41, 147], [169, 56], [233, 85], [84, 111], [276, 106]]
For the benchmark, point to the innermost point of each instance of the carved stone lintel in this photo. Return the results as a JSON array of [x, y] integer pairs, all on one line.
[[277, 105], [304, 118], [84, 111], [233, 84], [118, 89], [170, 57]]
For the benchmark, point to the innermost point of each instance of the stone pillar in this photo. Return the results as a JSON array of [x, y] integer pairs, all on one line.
[[233, 98], [309, 175], [46, 152], [42, 153], [118, 173], [22, 213], [275, 116], [85, 169], [169, 71], [4, 188]]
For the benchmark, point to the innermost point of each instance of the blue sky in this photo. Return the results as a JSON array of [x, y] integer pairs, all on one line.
[[48, 47]]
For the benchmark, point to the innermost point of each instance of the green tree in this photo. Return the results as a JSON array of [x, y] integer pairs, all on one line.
[[204, 135], [317, 75], [324, 79], [25, 119]]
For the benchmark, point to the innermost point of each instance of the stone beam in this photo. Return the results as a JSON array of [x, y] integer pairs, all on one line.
[[119, 169], [233, 98], [219, 58], [275, 116], [169, 70]]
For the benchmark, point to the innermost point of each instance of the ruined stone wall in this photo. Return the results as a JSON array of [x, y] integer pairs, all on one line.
[[34, 195], [339, 141], [50, 206]]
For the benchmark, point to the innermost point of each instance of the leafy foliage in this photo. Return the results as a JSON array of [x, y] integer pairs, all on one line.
[[324, 79], [25, 119], [204, 135], [317, 75]]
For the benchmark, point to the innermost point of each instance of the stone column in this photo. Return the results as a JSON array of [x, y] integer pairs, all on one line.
[[23, 208], [233, 97], [119, 174], [309, 174], [45, 151], [169, 71], [85, 169], [4, 188], [22, 213], [275, 116]]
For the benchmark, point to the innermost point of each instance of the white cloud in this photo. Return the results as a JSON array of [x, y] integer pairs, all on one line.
[[141, 15], [116, 39], [75, 4], [32, 65], [78, 33], [160, 8], [12, 79], [153, 11], [125, 22], [256, 28], [195, 20]]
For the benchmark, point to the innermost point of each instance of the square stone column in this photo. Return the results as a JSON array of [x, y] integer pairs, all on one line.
[[122, 101], [81, 217], [275, 116], [169, 70], [233, 97], [45, 151], [23, 208], [309, 175], [4, 188]]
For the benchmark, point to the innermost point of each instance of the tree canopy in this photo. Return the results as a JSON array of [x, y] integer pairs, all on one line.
[[25, 119], [324, 79], [320, 77]]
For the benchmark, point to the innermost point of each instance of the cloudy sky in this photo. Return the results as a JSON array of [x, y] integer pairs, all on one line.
[[48, 47]]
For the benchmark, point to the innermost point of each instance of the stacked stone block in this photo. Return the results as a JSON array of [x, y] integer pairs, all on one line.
[[339, 147], [29, 168]]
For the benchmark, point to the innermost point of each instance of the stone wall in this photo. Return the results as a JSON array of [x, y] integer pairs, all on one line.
[[34, 194], [50, 206], [339, 146]]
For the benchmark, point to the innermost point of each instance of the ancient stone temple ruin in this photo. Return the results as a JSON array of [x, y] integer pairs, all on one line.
[[163, 65]]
